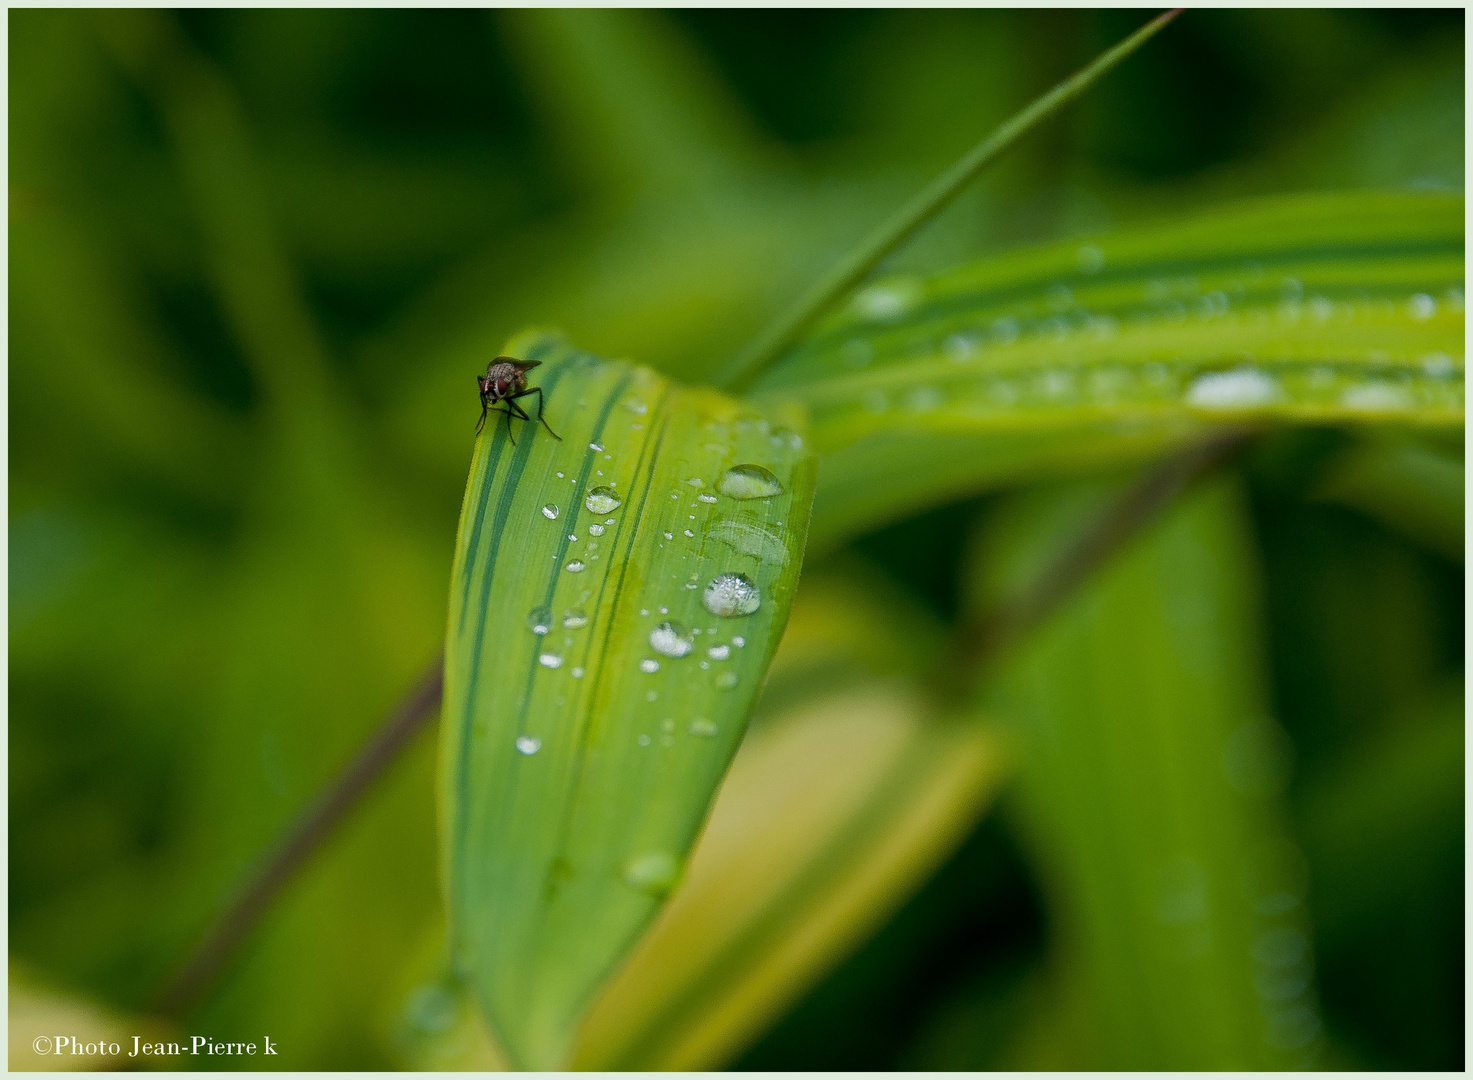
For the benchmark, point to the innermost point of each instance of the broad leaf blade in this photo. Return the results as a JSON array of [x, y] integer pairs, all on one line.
[[1324, 308], [578, 764]]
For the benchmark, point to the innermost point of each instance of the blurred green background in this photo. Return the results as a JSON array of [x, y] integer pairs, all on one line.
[[256, 258]]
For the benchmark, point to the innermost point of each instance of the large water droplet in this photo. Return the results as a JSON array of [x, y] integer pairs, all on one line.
[[539, 620], [550, 511], [653, 872], [1240, 388], [731, 595], [575, 619], [528, 745], [748, 536], [749, 482], [603, 500], [672, 639]]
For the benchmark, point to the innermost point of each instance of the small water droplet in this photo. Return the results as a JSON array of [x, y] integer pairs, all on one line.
[[1376, 397], [672, 639], [738, 641], [689, 533], [749, 482], [596, 447], [550, 511], [603, 500], [731, 595], [649, 666], [550, 660], [653, 872], [726, 680], [575, 619], [1005, 331], [577, 673], [1089, 259], [1240, 388], [643, 740], [636, 406], [528, 745], [576, 566], [719, 652], [704, 728], [705, 498], [668, 535], [652, 695], [595, 529], [887, 301], [1422, 306], [696, 482], [539, 620], [1438, 365]]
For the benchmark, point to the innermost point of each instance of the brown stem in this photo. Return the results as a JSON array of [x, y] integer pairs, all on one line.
[[987, 638], [307, 833]]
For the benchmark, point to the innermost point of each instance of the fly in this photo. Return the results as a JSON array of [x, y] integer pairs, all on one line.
[[505, 381]]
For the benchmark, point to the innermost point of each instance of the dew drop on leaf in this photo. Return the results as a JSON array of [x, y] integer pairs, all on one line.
[[731, 595], [528, 745], [603, 500], [672, 639], [539, 620], [749, 482]]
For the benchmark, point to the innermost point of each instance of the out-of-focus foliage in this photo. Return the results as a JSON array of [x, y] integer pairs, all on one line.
[[256, 258]]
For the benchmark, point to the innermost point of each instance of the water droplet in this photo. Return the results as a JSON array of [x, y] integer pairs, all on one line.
[[575, 619], [719, 652], [1089, 259], [738, 641], [603, 500], [731, 595], [958, 348], [887, 301], [748, 536], [654, 872], [1240, 388], [577, 673], [1438, 365], [636, 406], [539, 620], [689, 533], [528, 744], [749, 482], [1376, 397], [648, 666], [672, 639], [559, 476], [652, 695], [1422, 306], [696, 482], [667, 725], [643, 740], [1005, 331], [595, 529], [703, 728], [726, 680], [550, 660], [596, 447], [576, 566], [705, 498], [550, 511]]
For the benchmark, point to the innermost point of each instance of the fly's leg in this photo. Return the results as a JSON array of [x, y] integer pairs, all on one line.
[[538, 391]]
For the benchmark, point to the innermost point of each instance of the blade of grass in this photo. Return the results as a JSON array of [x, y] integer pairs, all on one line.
[[598, 678], [770, 346]]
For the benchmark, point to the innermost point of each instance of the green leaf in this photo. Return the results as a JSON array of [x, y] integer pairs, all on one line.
[[1324, 308], [579, 764], [844, 796], [1409, 486], [1152, 788]]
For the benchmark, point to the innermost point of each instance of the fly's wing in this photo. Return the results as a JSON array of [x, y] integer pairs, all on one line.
[[523, 366]]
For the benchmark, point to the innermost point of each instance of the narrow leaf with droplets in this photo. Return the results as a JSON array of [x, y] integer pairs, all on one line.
[[1326, 308], [615, 600]]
